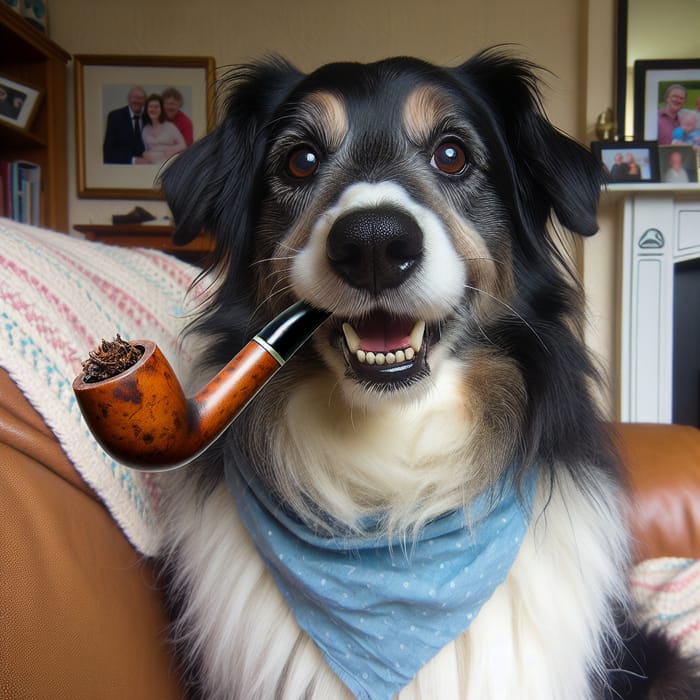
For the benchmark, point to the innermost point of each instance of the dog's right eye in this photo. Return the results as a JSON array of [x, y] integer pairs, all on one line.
[[302, 163], [450, 158]]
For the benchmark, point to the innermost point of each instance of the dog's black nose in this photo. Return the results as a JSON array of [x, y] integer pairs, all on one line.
[[375, 249]]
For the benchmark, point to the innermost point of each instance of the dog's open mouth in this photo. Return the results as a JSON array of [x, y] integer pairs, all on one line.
[[386, 349]]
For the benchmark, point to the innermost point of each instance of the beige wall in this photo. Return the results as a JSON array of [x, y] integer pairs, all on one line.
[[600, 259], [572, 38], [311, 32]]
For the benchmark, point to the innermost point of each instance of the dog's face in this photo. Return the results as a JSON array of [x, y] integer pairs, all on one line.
[[408, 200], [377, 208]]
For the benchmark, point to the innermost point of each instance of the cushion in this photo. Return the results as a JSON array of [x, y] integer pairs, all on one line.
[[663, 466]]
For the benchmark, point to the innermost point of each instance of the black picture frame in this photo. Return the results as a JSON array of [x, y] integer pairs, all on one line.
[[642, 153], [651, 79]]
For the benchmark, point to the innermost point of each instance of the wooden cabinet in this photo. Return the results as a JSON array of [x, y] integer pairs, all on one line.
[[148, 236], [29, 57]]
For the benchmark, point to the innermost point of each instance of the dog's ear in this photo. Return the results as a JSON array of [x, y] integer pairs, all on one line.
[[210, 185], [550, 170]]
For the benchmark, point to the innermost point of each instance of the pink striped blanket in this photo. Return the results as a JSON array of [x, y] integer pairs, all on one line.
[[59, 297], [667, 593]]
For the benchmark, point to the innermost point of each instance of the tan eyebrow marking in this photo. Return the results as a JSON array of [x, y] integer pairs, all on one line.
[[329, 113], [425, 106]]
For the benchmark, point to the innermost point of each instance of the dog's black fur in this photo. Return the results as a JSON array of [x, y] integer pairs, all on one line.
[[521, 173]]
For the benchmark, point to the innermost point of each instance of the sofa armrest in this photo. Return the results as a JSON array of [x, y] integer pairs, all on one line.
[[80, 612], [663, 464]]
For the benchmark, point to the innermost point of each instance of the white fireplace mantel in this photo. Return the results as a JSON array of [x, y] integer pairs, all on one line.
[[661, 227]]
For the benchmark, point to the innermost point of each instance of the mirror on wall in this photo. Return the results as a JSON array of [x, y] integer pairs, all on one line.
[[651, 30]]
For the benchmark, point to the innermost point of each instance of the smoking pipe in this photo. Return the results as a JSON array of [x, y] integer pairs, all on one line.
[[142, 418]]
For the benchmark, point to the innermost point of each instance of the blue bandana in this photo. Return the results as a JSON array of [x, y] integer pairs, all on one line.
[[377, 610]]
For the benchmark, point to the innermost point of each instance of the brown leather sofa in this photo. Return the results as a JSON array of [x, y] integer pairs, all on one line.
[[81, 616]]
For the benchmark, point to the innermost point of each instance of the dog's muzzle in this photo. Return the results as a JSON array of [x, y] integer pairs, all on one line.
[[375, 250]]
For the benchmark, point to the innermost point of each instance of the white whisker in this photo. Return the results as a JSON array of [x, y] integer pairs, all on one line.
[[276, 273], [289, 247], [513, 311], [273, 259]]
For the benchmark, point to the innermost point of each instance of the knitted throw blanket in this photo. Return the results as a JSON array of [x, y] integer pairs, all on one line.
[[667, 593], [59, 297]]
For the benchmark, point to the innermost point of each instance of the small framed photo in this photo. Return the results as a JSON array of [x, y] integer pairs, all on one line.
[[678, 164], [133, 115], [664, 91], [18, 103], [628, 161]]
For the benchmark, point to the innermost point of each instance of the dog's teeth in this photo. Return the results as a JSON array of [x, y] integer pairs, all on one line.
[[389, 358], [416, 336], [351, 338]]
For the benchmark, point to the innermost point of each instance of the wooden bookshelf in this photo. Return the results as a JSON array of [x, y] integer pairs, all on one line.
[[29, 57]]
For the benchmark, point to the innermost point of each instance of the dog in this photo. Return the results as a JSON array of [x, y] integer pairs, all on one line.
[[426, 502]]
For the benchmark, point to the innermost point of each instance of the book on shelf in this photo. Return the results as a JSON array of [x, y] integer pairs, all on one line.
[[20, 183]]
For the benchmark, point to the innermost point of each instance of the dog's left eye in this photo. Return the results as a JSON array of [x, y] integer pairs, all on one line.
[[302, 163], [449, 158]]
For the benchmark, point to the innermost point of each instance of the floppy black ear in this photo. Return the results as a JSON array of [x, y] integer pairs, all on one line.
[[210, 185], [552, 171]]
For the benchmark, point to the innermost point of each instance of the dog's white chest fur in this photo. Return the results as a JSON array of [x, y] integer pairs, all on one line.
[[536, 638]]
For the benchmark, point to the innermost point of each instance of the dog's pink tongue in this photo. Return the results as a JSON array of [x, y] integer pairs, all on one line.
[[382, 333]]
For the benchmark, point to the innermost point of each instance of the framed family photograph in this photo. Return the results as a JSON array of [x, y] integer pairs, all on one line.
[[628, 161], [133, 115], [678, 164], [666, 99], [18, 103]]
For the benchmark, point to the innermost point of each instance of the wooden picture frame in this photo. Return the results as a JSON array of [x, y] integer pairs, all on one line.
[[102, 86], [652, 80], [18, 102]]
